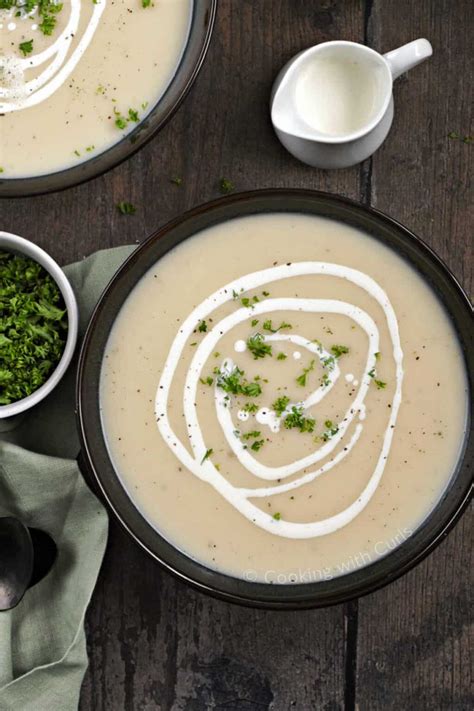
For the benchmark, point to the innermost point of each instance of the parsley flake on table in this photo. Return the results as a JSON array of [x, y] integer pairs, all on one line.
[[226, 186], [126, 208]]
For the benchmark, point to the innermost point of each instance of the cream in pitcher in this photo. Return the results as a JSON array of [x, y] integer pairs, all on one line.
[[332, 104]]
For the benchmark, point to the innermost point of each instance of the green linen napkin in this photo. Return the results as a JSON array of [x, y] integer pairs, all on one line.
[[43, 654]]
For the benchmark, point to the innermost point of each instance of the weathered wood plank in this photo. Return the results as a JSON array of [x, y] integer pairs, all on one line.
[[413, 637], [156, 644]]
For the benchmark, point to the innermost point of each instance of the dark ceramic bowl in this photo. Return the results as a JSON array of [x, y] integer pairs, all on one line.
[[94, 449], [199, 37]]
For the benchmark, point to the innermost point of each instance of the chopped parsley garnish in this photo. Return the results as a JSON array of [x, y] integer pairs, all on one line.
[[257, 445], [126, 208], [301, 379], [377, 355], [33, 326], [146, 3], [252, 390], [206, 381], [257, 346], [331, 430], [282, 356], [250, 407], [268, 326], [249, 302], [235, 384], [251, 435], [296, 419], [207, 455], [254, 322], [277, 516], [265, 293], [329, 362], [379, 383], [202, 328], [225, 186], [325, 380], [280, 405], [338, 350], [47, 25], [122, 121], [46, 9], [26, 47]]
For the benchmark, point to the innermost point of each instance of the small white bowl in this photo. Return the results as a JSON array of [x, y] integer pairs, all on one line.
[[12, 243]]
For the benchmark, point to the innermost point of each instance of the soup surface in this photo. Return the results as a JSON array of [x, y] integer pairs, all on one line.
[[74, 80], [283, 398]]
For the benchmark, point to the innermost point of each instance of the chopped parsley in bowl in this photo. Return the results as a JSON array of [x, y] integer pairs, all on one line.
[[38, 324], [33, 326]]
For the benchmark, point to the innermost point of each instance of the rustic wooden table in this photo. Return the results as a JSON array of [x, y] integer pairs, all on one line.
[[153, 642]]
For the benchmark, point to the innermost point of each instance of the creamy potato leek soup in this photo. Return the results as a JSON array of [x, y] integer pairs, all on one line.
[[76, 76], [283, 398]]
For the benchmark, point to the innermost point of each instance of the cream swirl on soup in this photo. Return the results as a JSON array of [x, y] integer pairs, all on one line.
[[30, 77], [343, 437]]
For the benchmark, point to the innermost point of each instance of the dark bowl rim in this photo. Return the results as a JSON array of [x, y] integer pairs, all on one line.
[[340, 589], [180, 84]]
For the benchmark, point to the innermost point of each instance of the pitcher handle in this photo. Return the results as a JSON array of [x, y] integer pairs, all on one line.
[[408, 56]]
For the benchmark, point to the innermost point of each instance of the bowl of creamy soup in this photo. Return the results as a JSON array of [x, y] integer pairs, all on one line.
[[85, 83], [273, 398]]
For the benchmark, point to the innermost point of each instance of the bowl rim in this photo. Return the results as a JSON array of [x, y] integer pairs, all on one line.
[[15, 243], [193, 55], [98, 465]]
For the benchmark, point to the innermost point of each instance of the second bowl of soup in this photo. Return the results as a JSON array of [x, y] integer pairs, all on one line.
[[85, 83]]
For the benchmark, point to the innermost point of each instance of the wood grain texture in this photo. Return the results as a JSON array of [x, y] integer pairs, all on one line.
[[414, 638], [153, 642]]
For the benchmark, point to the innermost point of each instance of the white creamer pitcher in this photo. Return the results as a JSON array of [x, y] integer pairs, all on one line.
[[332, 104]]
